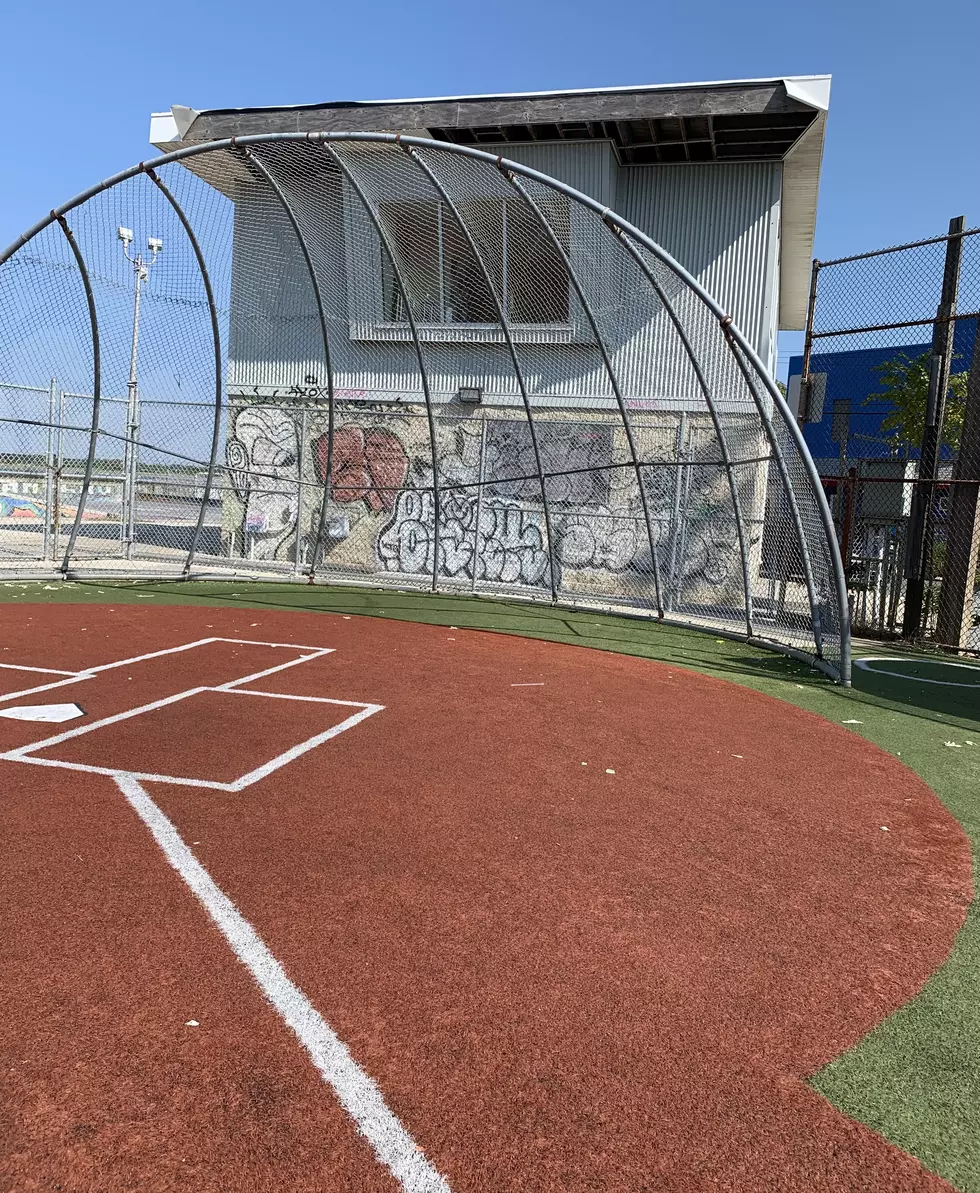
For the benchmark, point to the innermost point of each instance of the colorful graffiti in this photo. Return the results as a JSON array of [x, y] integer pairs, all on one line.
[[369, 465], [380, 515]]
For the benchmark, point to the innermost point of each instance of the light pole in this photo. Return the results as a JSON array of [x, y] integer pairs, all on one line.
[[141, 272]]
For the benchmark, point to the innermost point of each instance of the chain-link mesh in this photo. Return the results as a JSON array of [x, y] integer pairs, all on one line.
[[890, 408], [408, 365]]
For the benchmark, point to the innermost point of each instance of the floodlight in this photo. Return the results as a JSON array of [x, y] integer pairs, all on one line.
[[154, 244], [125, 235], [470, 395]]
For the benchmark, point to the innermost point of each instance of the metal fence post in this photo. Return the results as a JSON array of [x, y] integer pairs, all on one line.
[[956, 596], [803, 409], [49, 471], [920, 518]]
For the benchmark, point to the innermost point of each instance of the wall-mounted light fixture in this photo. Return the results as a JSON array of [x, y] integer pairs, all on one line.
[[470, 395]]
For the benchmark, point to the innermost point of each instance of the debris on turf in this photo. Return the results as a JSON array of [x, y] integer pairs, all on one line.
[[192, 1023]]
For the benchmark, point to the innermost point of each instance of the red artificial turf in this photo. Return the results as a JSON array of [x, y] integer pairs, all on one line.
[[560, 978]]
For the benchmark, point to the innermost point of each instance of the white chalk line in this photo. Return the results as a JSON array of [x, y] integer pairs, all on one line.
[[391, 1143], [25, 753], [943, 683], [39, 670], [88, 672]]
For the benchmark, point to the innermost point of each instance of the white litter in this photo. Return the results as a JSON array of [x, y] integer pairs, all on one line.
[[609, 771], [884, 828], [852, 722], [43, 712], [738, 755], [955, 745], [192, 1023]]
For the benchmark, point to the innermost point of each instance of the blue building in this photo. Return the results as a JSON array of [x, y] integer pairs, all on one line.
[[845, 429]]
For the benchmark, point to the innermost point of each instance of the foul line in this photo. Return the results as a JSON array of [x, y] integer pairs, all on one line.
[[944, 683], [357, 1093]]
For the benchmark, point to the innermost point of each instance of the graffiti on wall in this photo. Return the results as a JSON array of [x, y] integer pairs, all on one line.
[[380, 512], [263, 460]]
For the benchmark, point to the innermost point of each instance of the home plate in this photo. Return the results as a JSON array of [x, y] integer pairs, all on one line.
[[43, 712]]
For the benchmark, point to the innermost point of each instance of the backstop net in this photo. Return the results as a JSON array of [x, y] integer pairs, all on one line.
[[388, 361]]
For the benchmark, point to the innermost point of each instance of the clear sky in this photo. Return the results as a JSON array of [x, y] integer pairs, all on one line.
[[79, 80]]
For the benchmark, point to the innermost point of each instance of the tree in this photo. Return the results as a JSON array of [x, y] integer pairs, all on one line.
[[905, 382]]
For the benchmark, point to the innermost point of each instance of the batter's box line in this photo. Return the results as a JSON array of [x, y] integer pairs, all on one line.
[[316, 652], [24, 753]]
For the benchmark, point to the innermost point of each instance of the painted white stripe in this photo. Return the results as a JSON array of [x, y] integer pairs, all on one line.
[[45, 687], [39, 670], [355, 1090], [287, 696], [114, 772], [367, 710], [19, 753], [79, 676], [943, 683], [24, 753], [233, 683]]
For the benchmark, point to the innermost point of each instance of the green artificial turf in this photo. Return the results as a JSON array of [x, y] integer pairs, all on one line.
[[916, 1077]]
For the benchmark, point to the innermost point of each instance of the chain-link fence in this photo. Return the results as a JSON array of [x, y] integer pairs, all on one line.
[[889, 400], [380, 360]]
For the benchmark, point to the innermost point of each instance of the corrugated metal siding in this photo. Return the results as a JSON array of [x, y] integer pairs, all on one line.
[[715, 219], [589, 166]]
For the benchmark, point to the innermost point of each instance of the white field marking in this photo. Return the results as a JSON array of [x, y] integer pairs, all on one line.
[[528, 685], [945, 683], [287, 696], [260, 772], [24, 753], [391, 1143], [81, 676], [18, 754], [233, 683], [39, 670]]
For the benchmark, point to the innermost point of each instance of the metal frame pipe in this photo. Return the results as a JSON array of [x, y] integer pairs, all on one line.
[[277, 190], [631, 231], [790, 493], [607, 363], [712, 411], [96, 389], [426, 389], [505, 327], [216, 337]]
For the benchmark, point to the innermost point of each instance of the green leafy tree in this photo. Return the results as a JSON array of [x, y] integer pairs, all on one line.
[[905, 383]]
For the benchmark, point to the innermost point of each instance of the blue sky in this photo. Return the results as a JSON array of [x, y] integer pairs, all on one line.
[[903, 141]]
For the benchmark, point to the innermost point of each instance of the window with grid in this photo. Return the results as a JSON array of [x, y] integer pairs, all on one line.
[[443, 279]]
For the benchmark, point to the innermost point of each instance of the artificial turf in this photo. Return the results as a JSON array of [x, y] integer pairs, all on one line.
[[916, 1077]]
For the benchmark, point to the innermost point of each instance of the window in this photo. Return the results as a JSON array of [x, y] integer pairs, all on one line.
[[443, 279]]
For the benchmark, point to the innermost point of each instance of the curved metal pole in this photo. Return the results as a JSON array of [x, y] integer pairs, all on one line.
[[790, 493], [505, 327], [606, 360], [96, 391], [630, 230], [403, 290], [216, 336], [318, 296], [709, 402]]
